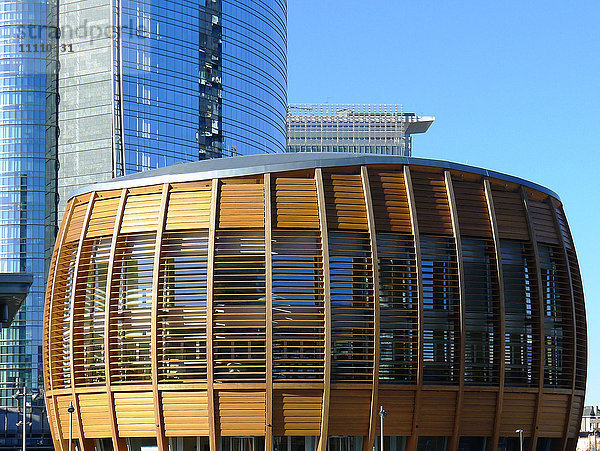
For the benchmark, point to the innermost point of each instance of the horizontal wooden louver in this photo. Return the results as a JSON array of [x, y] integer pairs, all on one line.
[[241, 205], [102, 220], [390, 202], [558, 317], [135, 414], [297, 412], [399, 308], [298, 306], [141, 213], [189, 206], [441, 303], [510, 215], [578, 299], [431, 200], [241, 413], [482, 312], [130, 309], [88, 322], [76, 222], [473, 217], [60, 331], [182, 307], [345, 201], [543, 222], [296, 203], [351, 306], [239, 303], [521, 313], [185, 413]]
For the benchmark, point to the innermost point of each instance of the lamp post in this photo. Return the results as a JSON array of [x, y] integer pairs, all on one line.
[[382, 415], [71, 409], [23, 423], [520, 432]]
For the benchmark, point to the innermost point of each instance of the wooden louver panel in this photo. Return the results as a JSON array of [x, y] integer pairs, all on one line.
[[390, 202], [141, 213], [345, 201], [521, 315], [399, 308], [102, 220], [352, 306], [239, 316], [431, 200], [298, 306], [76, 222], [90, 299], [578, 300], [296, 203], [60, 332], [441, 303], [558, 317], [130, 310], [482, 312], [473, 217], [185, 413], [510, 215], [241, 413], [182, 307], [241, 204], [297, 412], [543, 222], [189, 206]]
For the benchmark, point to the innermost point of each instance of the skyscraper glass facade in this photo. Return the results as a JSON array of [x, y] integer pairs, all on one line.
[[199, 79], [27, 199]]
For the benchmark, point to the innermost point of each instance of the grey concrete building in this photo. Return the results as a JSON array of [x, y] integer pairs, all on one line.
[[379, 129]]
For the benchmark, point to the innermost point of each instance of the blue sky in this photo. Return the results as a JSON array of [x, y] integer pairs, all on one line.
[[514, 87]]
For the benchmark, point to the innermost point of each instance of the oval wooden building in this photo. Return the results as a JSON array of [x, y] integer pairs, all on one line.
[[279, 301]]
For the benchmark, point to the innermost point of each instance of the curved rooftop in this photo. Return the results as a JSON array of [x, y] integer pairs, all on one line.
[[281, 162]]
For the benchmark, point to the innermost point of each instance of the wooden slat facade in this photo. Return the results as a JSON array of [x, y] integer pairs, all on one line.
[[298, 303]]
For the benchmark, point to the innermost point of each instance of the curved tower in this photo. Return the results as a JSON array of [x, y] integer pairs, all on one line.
[[27, 201], [146, 84]]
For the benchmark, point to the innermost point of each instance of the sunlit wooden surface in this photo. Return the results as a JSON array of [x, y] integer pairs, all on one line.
[[298, 303]]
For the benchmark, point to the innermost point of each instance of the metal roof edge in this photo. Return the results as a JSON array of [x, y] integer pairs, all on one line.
[[282, 162]]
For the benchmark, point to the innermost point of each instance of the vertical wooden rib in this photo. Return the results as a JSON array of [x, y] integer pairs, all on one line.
[[161, 439], [327, 314], [118, 442], [85, 444], [412, 441], [368, 444], [269, 314], [574, 325], [453, 443], [209, 316], [59, 242], [540, 310], [493, 443]]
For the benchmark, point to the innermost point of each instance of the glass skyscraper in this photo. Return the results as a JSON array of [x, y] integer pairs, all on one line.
[[27, 201], [148, 83], [130, 86]]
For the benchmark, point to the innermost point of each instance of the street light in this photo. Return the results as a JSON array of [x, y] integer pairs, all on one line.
[[23, 423], [520, 432], [382, 415], [71, 409]]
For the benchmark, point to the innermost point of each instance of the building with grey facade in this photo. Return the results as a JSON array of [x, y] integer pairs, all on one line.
[[146, 84], [379, 129]]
